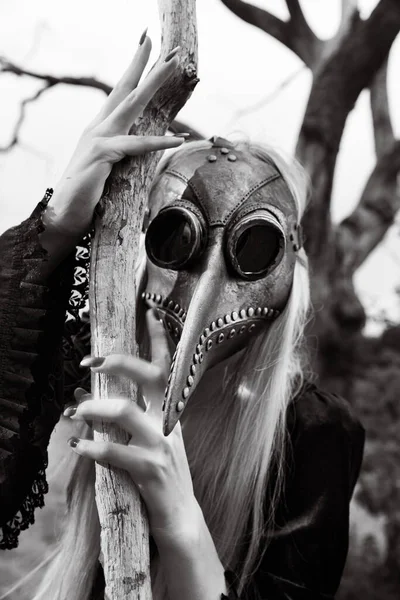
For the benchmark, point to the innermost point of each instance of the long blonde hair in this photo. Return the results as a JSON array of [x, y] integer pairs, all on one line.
[[231, 456]]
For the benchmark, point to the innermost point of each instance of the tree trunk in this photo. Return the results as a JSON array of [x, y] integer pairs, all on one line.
[[124, 527]]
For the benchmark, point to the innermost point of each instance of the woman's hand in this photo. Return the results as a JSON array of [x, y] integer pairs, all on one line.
[[106, 141], [157, 464]]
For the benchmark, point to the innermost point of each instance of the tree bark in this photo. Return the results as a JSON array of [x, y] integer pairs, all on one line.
[[124, 528]]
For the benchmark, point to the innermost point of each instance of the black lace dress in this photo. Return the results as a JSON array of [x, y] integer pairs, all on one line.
[[42, 340]]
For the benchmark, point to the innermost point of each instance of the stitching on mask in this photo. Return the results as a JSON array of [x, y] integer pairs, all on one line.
[[241, 201], [193, 188], [251, 192]]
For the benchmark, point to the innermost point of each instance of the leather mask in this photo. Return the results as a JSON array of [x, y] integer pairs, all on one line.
[[221, 247]]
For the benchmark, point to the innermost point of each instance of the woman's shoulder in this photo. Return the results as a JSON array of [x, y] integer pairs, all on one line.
[[314, 409]]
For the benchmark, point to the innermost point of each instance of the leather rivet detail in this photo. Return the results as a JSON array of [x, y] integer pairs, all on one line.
[[180, 406], [232, 157], [148, 296], [177, 332], [235, 316], [184, 317], [271, 313], [193, 369], [224, 151], [258, 311], [209, 345], [201, 357], [227, 319], [232, 333], [198, 349], [165, 302], [171, 304], [202, 338], [186, 392], [206, 332], [196, 358], [158, 298], [250, 312], [220, 338], [252, 327], [213, 326], [143, 295], [242, 329], [190, 381], [242, 313], [169, 326], [211, 158], [220, 322], [176, 308], [265, 311]]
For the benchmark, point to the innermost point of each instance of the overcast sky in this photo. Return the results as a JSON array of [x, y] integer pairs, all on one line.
[[239, 66]]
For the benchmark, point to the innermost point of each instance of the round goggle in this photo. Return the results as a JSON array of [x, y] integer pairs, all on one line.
[[254, 245]]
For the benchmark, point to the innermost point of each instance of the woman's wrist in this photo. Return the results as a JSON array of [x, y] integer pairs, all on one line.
[[180, 529], [190, 560]]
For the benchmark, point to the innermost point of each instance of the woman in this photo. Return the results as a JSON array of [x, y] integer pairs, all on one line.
[[250, 490]]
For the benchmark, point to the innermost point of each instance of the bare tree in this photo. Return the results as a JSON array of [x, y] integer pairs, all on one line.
[[354, 59], [364, 370]]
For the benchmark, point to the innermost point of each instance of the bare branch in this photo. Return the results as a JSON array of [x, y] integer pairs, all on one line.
[[383, 129], [349, 9], [7, 66], [295, 34], [17, 128], [362, 231], [337, 85]]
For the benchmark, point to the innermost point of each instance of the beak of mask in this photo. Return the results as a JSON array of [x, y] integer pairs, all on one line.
[[222, 248]]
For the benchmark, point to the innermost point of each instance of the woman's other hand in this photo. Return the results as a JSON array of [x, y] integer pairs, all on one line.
[[157, 464], [106, 141]]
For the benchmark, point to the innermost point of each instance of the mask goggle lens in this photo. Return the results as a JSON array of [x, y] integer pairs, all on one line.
[[175, 238], [256, 245]]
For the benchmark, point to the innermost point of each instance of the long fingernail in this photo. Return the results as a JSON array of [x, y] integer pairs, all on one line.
[[172, 54], [80, 393], [182, 135], [70, 411], [92, 361], [143, 37], [73, 442]]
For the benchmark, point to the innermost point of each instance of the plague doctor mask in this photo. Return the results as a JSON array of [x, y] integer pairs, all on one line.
[[221, 247]]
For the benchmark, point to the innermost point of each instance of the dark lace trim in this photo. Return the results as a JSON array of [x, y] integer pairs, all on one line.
[[42, 411], [10, 532]]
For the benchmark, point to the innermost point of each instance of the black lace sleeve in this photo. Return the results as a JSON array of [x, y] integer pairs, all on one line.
[[32, 315]]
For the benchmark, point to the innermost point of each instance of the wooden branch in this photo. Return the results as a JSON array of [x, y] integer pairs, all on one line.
[[124, 531], [337, 85], [295, 34], [362, 231], [383, 128]]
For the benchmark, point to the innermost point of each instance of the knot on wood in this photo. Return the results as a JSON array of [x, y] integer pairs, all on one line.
[[135, 582]]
